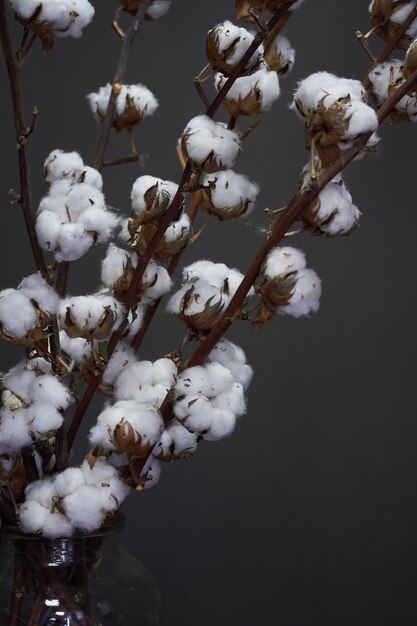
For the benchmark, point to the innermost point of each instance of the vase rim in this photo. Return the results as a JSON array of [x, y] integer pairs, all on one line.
[[115, 526]]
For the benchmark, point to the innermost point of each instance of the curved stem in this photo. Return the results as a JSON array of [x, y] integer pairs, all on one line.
[[22, 132]]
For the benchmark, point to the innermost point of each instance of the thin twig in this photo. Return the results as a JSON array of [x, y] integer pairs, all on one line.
[[383, 56], [25, 200], [127, 41]]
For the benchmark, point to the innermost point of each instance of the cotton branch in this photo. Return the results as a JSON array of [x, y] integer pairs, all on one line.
[[280, 226], [391, 45], [127, 42], [22, 133], [170, 214]]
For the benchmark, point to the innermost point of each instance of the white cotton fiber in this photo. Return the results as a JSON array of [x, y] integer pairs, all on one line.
[[306, 295]]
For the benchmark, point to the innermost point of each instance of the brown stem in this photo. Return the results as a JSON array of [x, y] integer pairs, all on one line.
[[127, 41], [173, 264], [29, 463], [383, 56], [7, 510], [274, 32], [17, 592], [168, 217], [25, 198]]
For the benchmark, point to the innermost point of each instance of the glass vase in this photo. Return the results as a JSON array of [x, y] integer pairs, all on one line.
[[87, 580]]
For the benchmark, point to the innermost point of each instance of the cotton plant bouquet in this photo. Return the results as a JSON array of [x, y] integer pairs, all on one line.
[[75, 346]]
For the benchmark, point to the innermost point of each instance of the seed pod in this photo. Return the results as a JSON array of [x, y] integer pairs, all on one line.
[[133, 104], [228, 195], [332, 213], [150, 198], [387, 16], [210, 145], [250, 95], [225, 46], [280, 56]]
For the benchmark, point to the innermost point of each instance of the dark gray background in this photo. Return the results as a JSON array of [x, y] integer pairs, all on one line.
[[306, 516]]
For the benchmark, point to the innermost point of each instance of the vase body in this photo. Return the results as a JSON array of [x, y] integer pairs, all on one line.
[[88, 580]]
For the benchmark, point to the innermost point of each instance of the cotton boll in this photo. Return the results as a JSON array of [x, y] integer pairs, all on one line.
[[232, 399], [85, 13], [57, 525], [73, 242], [210, 144], [49, 389], [123, 356], [280, 56], [133, 375], [133, 104], [19, 380], [68, 481], [176, 442], [24, 8], [36, 288], [225, 46], [195, 412], [151, 197], [17, 314], [127, 427], [99, 101], [193, 380], [233, 358], [383, 78], [319, 85], [223, 424], [84, 508], [91, 177], [99, 221], [220, 379], [164, 372], [60, 164], [32, 516], [101, 472], [332, 213], [284, 260], [362, 119], [250, 95], [14, 431], [43, 418], [48, 227], [41, 491], [160, 286], [229, 194], [115, 267], [157, 9], [83, 197], [306, 296], [78, 349], [89, 317], [138, 97]]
